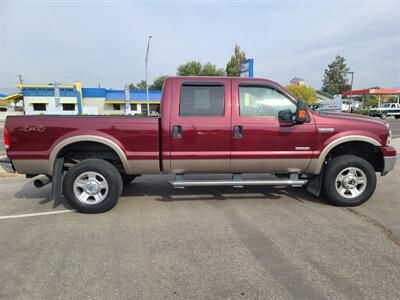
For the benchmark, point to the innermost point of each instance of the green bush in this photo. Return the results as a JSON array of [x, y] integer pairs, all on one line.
[[360, 111]]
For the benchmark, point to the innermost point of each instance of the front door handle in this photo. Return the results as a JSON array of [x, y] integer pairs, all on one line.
[[238, 131], [177, 131]]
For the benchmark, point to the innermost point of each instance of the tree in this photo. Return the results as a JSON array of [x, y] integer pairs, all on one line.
[[392, 99], [141, 85], [370, 101], [233, 65], [195, 68], [211, 70], [303, 92], [335, 80], [158, 83]]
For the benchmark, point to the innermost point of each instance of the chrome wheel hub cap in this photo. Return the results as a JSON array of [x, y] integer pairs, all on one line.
[[90, 188], [351, 182]]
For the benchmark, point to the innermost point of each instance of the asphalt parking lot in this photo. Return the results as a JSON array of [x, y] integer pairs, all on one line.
[[204, 243]]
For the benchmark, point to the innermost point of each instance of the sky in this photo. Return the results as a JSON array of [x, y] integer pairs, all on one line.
[[103, 42]]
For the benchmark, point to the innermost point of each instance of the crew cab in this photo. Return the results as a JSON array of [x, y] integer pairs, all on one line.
[[385, 110], [210, 125]]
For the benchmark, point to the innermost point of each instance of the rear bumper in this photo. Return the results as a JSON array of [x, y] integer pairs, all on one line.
[[7, 165], [388, 164]]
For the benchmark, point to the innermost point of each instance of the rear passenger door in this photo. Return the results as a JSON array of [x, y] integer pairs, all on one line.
[[200, 133]]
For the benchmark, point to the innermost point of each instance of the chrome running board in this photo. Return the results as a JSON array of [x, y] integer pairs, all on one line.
[[293, 180]]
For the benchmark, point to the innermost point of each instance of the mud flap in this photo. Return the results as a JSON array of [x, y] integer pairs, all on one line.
[[56, 190], [314, 185]]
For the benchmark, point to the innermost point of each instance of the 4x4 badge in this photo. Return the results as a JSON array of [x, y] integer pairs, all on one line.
[[29, 128]]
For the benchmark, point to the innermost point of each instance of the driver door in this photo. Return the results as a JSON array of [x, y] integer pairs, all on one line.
[[259, 142]]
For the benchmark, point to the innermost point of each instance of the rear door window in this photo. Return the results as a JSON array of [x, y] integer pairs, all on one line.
[[201, 100]]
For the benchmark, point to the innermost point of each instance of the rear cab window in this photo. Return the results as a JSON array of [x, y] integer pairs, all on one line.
[[201, 100]]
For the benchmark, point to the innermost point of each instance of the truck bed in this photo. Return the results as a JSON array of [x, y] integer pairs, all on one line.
[[34, 138]]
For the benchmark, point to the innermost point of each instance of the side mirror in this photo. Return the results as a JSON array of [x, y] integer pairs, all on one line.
[[285, 117], [301, 112]]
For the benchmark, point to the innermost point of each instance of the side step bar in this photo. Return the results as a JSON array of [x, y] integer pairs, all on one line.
[[292, 181]]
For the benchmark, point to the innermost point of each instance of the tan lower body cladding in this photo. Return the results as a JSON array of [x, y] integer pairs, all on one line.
[[41, 166], [237, 165], [31, 166]]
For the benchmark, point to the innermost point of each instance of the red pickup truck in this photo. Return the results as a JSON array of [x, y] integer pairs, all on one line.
[[207, 125]]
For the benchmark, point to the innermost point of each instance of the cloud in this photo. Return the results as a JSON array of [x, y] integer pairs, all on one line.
[[105, 41]]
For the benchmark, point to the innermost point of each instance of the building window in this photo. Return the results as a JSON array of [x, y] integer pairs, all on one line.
[[154, 109], [116, 106], [134, 106], [68, 106], [39, 107], [202, 100]]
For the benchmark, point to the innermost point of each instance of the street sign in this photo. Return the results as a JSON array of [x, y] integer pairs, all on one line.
[[334, 105], [127, 103], [57, 93], [247, 68]]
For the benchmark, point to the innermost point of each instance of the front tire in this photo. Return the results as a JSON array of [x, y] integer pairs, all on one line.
[[92, 186], [349, 180], [383, 115]]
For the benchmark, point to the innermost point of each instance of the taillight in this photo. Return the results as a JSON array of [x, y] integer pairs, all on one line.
[[6, 138]]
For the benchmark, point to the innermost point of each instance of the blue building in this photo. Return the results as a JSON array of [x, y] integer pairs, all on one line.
[[75, 99]]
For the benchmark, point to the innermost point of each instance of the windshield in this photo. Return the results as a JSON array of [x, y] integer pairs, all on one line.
[[385, 105]]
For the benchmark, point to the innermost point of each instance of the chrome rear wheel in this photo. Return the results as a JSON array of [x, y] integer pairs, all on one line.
[[90, 188]]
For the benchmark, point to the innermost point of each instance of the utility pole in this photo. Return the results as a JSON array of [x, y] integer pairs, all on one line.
[[147, 75], [351, 86], [23, 100]]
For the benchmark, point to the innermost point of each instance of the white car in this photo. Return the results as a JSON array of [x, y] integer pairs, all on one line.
[[387, 109]]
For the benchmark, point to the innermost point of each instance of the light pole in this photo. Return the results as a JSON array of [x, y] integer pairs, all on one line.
[[147, 74], [351, 86]]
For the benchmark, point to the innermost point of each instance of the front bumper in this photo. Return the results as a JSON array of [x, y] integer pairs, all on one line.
[[374, 113], [7, 165], [388, 164]]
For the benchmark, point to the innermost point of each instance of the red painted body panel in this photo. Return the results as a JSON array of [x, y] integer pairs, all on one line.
[[208, 138], [137, 137], [346, 125], [202, 137], [265, 138]]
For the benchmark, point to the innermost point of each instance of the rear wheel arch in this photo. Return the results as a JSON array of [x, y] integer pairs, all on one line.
[[60, 149]]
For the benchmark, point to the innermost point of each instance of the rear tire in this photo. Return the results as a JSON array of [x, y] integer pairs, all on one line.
[[92, 186], [397, 117], [349, 180]]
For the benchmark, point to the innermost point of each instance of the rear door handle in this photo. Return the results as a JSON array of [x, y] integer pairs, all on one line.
[[238, 131], [177, 131]]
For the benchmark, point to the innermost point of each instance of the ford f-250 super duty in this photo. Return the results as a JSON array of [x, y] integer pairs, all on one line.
[[207, 125]]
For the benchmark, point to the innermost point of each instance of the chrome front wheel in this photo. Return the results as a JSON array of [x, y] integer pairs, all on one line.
[[351, 182]]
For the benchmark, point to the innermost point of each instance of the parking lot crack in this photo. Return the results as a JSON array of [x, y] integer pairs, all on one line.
[[388, 233]]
